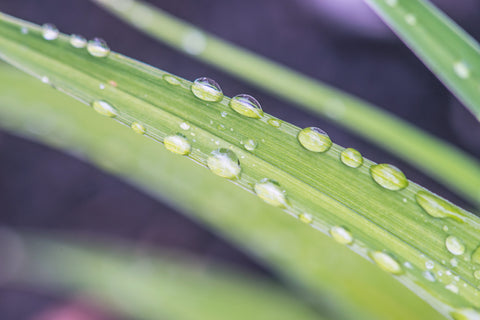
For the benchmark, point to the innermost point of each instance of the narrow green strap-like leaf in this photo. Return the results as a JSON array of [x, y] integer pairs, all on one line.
[[147, 286], [448, 164], [351, 285], [444, 47], [373, 209]]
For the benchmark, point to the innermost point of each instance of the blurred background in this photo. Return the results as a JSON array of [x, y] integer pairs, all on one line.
[[340, 42]]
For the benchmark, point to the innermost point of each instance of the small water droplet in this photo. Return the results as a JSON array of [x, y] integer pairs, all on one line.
[[246, 105], [224, 114], [171, 79], [314, 139], [207, 89], [429, 276], [408, 265], [24, 30], [386, 262], [184, 126], [270, 191], [78, 41], [250, 144], [305, 218], [476, 274], [221, 127], [177, 144], [224, 163], [410, 19], [98, 48], [388, 176], [341, 235], [476, 256], [101, 86], [465, 314], [274, 122], [445, 228], [452, 287], [138, 128], [45, 79], [351, 158], [455, 245], [461, 69], [437, 207], [49, 31], [194, 42], [429, 265], [104, 108], [454, 262]]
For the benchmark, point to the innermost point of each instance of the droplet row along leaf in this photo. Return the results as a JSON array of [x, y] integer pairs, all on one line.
[[317, 184]]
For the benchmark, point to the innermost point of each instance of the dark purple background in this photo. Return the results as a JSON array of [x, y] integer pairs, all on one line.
[[347, 47]]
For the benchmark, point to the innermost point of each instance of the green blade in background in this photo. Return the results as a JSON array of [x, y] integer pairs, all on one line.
[[293, 250], [448, 164], [445, 48], [144, 284]]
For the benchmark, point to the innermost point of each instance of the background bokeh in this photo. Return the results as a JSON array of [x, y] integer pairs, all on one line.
[[340, 42]]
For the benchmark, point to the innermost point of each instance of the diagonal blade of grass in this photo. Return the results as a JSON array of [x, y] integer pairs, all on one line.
[[387, 227], [445, 48], [298, 253], [448, 164], [168, 285]]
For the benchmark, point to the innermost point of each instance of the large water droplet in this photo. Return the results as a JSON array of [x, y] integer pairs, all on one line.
[[250, 144], [455, 245], [270, 191], [138, 128], [388, 176], [476, 255], [49, 31], [351, 158], [98, 48], [386, 262], [207, 89], [78, 41], [437, 207], [104, 108], [341, 235], [177, 144], [246, 105], [466, 314], [314, 139], [224, 163]]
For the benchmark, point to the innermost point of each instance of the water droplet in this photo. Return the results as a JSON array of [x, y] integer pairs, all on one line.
[[184, 126], [246, 105], [341, 235], [461, 69], [274, 122], [177, 144], [207, 89], [224, 114], [452, 287], [408, 265], [386, 262], [437, 207], [429, 276], [314, 139], [101, 86], [476, 256], [138, 128], [455, 245], [104, 108], [78, 41], [224, 163], [49, 31], [45, 79], [98, 48], [250, 144], [445, 228], [476, 274], [24, 30], [194, 42], [454, 262], [388, 176], [351, 158], [171, 79], [305, 218], [391, 3], [410, 19], [270, 191], [429, 265], [465, 314]]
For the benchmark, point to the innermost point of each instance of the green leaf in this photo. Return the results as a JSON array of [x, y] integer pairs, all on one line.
[[371, 209], [148, 285], [448, 164], [444, 47]]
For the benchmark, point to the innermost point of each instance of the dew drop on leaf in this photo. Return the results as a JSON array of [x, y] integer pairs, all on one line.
[[351, 157], [177, 144], [224, 163], [246, 105], [270, 191], [104, 108], [388, 176], [207, 89], [314, 139], [98, 48], [78, 41], [49, 31]]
